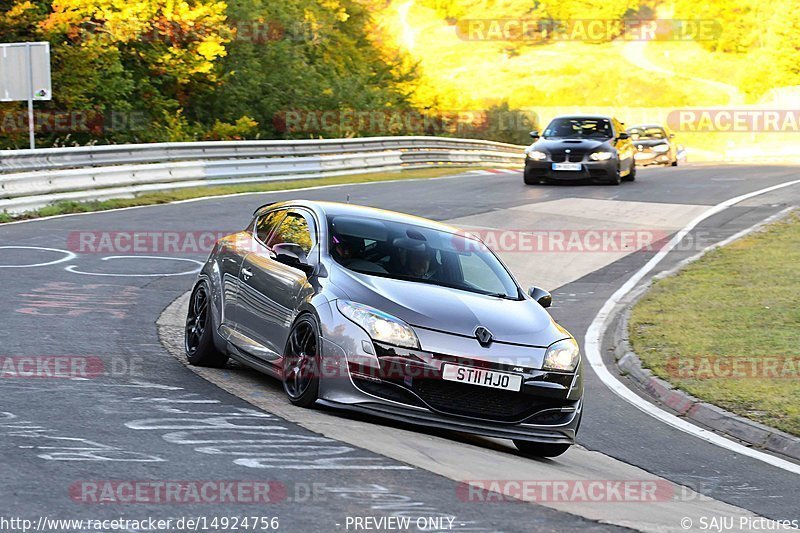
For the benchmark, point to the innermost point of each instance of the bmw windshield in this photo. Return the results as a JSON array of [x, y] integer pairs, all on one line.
[[579, 128], [419, 254], [647, 134]]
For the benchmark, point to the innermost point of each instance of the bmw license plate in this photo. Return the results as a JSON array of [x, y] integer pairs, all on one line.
[[481, 377], [566, 166]]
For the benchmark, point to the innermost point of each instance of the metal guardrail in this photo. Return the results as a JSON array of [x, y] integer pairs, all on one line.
[[30, 179]]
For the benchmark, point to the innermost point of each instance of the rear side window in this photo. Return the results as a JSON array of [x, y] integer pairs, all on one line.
[[296, 228], [267, 223]]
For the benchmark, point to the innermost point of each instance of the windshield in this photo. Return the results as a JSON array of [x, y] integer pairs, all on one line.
[[647, 134], [416, 253], [579, 128]]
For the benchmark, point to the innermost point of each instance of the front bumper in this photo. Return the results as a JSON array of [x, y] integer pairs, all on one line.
[[648, 157], [406, 385], [590, 170]]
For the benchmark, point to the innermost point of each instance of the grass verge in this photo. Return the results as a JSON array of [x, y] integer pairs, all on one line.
[[163, 197], [726, 328]]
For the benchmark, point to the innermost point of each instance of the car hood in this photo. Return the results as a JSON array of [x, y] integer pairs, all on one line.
[[452, 311], [578, 145]]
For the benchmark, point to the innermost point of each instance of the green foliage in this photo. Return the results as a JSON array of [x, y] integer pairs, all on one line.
[[165, 70], [765, 35], [244, 128], [181, 70], [317, 57]]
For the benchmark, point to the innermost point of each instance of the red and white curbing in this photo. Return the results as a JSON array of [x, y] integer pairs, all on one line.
[[490, 171]]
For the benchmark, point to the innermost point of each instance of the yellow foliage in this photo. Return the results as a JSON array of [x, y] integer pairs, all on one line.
[[19, 9], [186, 38]]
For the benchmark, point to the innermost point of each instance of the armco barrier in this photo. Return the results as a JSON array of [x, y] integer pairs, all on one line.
[[30, 179]]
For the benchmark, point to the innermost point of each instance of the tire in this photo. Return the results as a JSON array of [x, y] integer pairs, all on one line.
[[528, 180], [199, 331], [616, 179], [674, 163], [301, 361], [631, 175], [538, 449]]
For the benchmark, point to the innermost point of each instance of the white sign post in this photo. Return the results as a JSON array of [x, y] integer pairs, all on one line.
[[25, 75]]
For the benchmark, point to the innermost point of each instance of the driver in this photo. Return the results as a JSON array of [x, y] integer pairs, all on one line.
[[415, 261], [344, 249]]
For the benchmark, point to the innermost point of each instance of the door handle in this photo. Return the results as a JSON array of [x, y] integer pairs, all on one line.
[[247, 273]]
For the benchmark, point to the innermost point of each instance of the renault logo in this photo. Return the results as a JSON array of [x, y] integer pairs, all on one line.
[[483, 335]]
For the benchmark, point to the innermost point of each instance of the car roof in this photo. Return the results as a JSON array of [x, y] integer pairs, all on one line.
[[324, 209], [591, 117]]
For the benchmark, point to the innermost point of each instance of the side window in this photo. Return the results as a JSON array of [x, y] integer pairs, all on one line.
[[296, 228], [266, 223]]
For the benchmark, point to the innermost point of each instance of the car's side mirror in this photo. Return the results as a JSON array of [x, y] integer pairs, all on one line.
[[535, 134], [544, 298], [623, 136], [292, 255]]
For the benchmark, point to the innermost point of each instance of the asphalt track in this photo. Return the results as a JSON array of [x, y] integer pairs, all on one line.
[[146, 417]]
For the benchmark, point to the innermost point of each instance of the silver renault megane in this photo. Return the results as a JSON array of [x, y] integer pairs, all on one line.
[[391, 315]]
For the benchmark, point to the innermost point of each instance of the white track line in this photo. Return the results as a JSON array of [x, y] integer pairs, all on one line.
[[594, 339]]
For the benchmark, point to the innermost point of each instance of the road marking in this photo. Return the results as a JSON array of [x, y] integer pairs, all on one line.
[[68, 256], [73, 269], [67, 448], [594, 339], [255, 439]]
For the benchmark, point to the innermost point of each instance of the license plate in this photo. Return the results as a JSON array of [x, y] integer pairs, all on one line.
[[643, 155], [483, 378], [566, 166]]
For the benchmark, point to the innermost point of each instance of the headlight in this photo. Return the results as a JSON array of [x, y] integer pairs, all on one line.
[[601, 156], [536, 155], [661, 148], [562, 356], [379, 326]]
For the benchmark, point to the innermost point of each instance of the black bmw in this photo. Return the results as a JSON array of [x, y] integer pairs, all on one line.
[[588, 148]]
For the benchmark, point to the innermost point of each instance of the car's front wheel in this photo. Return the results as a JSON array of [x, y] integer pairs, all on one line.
[[301, 362], [616, 178], [538, 449], [199, 331], [631, 175]]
